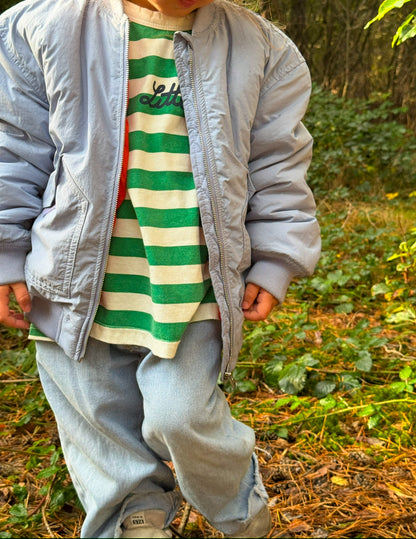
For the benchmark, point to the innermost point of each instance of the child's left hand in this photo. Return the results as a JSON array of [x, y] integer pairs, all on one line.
[[257, 302]]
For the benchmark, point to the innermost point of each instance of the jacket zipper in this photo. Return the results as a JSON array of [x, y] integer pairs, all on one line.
[[217, 227], [110, 228]]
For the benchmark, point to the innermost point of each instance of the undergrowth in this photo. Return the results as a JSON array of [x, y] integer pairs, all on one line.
[[359, 144], [340, 355]]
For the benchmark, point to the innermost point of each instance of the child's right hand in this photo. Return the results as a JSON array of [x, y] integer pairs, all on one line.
[[8, 317]]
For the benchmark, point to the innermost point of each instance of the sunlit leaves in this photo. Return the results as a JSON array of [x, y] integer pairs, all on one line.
[[408, 27], [385, 7]]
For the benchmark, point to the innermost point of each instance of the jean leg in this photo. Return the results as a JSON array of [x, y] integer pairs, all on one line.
[[187, 420], [99, 411]]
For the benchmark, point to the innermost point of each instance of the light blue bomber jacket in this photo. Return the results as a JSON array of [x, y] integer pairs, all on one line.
[[63, 100]]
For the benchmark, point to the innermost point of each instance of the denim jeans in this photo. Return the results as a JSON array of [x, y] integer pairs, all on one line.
[[123, 413]]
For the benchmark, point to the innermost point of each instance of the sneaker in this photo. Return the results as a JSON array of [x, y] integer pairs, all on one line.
[[146, 524], [258, 526]]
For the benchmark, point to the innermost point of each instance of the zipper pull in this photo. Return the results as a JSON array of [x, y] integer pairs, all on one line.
[[228, 377]]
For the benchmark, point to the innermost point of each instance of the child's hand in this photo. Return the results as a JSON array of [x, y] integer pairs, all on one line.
[[8, 317], [257, 302]]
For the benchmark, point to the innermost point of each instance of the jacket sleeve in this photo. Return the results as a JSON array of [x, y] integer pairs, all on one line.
[[281, 223], [26, 149]]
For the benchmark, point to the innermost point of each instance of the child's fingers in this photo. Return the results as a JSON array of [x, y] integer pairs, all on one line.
[[250, 296], [22, 296], [9, 317], [262, 306], [4, 302]]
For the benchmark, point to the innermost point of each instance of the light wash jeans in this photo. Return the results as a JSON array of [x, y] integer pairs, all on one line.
[[122, 412]]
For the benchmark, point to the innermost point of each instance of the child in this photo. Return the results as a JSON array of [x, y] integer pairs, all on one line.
[[152, 177]]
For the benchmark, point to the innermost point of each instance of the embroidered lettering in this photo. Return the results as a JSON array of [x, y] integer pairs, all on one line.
[[162, 97]]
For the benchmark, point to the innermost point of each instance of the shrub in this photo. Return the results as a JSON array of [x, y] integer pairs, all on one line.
[[359, 145]]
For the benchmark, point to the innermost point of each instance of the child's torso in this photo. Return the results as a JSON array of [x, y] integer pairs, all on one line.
[[157, 278]]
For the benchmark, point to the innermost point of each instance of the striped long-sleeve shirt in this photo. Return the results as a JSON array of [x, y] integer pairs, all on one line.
[[157, 278]]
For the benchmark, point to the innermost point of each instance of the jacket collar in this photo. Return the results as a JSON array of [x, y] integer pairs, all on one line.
[[206, 17]]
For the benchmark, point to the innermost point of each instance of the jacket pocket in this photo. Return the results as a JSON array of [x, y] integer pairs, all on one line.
[[245, 261], [56, 234]]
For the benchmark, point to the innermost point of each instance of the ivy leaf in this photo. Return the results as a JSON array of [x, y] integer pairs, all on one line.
[[48, 472], [245, 386], [364, 363], [373, 421], [397, 387], [282, 432], [323, 388], [344, 308], [293, 378], [380, 288], [307, 361], [328, 403], [367, 411], [402, 315], [272, 370], [19, 510], [405, 373], [20, 492], [349, 382]]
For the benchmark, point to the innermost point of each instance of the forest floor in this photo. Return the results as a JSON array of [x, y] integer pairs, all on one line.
[[364, 488], [337, 453]]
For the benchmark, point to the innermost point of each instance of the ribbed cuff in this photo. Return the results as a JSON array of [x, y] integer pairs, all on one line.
[[12, 266], [275, 277]]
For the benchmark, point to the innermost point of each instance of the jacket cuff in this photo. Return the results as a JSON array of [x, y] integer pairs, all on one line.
[[12, 266], [275, 277]]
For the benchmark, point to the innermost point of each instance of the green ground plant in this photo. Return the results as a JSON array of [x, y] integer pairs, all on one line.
[[40, 486], [399, 286], [342, 349]]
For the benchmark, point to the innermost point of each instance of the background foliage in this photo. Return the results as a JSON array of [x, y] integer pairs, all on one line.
[[407, 28], [343, 56], [359, 144]]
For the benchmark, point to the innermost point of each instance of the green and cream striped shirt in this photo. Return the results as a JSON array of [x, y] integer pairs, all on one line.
[[157, 278]]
